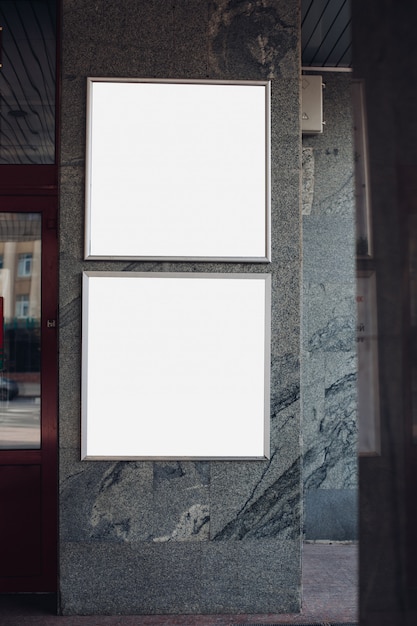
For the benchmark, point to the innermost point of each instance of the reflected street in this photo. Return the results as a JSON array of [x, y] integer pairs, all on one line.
[[19, 423]]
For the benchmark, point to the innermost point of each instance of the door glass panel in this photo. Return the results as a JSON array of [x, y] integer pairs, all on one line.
[[20, 293], [27, 81], [412, 230]]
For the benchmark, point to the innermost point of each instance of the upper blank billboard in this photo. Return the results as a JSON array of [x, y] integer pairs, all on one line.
[[178, 170]]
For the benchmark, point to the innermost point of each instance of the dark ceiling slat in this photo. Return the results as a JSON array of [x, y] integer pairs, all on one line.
[[342, 41], [346, 58], [331, 30], [27, 82], [305, 9], [325, 33], [316, 25]]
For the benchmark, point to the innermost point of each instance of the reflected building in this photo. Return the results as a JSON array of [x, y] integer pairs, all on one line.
[[20, 289]]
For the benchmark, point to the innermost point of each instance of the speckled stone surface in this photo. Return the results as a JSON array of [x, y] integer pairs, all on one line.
[[331, 512], [329, 364], [183, 537], [330, 595], [307, 180]]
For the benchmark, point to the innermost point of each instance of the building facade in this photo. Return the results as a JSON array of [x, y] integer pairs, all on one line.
[[175, 536], [183, 535]]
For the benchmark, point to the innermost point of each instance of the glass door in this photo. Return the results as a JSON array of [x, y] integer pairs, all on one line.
[[29, 62], [28, 394], [20, 331]]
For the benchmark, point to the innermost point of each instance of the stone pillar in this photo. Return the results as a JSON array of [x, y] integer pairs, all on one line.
[[183, 537], [329, 364]]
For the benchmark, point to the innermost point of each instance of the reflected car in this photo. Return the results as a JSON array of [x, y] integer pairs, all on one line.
[[8, 388]]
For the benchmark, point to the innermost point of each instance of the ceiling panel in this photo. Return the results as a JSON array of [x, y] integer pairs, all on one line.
[[27, 81], [326, 33]]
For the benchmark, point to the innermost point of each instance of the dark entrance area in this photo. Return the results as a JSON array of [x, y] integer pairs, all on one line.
[[28, 296]]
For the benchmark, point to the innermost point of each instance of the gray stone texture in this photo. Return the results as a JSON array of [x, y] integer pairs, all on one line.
[[331, 513], [328, 363], [178, 577], [308, 180], [183, 537]]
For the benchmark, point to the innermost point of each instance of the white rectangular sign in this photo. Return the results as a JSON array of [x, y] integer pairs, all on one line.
[[178, 170], [175, 365]]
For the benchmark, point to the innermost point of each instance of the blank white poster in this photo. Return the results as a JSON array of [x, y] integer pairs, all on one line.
[[178, 170], [175, 365]]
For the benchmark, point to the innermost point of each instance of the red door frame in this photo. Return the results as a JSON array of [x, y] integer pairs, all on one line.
[[46, 457], [34, 189]]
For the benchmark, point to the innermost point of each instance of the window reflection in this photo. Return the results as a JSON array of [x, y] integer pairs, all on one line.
[[27, 82], [20, 293], [413, 319]]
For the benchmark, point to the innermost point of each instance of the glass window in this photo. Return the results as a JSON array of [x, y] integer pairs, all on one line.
[[22, 305], [24, 267]]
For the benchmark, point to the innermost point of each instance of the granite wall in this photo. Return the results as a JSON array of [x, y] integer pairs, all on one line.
[[329, 365], [183, 537]]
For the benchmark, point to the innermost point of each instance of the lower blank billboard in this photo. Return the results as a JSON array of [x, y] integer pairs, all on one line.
[[175, 365]]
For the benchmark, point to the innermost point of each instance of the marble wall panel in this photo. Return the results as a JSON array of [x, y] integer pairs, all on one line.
[[181, 501], [233, 575], [179, 577], [174, 536], [113, 501], [329, 364], [308, 180], [328, 249], [330, 512], [134, 578], [250, 37], [330, 433]]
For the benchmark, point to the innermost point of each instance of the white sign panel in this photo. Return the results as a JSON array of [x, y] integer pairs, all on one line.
[[175, 365], [178, 170]]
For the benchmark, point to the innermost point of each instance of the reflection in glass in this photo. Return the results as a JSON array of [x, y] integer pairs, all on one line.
[[20, 293], [413, 318], [362, 188], [27, 82], [367, 350]]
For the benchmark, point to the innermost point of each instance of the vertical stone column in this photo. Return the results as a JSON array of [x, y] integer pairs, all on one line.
[[329, 364], [183, 537]]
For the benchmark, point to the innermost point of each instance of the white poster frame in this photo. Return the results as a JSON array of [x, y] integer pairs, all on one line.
[[175, 365], [178, 170]]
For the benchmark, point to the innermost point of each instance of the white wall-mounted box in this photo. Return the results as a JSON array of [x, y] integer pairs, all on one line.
[[312, 104]]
